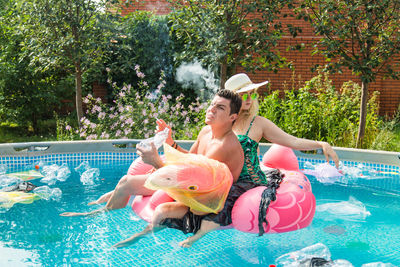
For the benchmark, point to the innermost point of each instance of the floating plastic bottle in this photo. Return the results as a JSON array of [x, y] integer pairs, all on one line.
[[54, 173], [90, 176], [296, 258], [158, 139], [48, 193], [315, 255], [351, 210]]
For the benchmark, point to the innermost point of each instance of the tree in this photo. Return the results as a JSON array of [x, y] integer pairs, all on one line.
[[227, 33], [65, 34], [361, 35], [140, 41], [26, 95]]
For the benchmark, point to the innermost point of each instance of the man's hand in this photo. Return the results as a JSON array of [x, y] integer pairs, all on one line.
[[161, 125], [150, 156]]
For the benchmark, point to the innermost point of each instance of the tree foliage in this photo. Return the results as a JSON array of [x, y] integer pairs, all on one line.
[[65, 34], [361, 35], [138, 39], [227, 33], [26, 95]]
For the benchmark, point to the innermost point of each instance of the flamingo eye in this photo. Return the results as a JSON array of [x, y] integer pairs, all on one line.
[[192, 187]]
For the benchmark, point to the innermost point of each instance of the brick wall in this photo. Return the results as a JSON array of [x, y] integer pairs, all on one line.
[[159, 7], [302, 61], [99, 90]]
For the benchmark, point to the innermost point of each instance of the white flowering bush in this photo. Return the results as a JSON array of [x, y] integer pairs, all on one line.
[[134, 116]]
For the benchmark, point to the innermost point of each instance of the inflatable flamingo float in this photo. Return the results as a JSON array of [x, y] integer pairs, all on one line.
[[293, 209]]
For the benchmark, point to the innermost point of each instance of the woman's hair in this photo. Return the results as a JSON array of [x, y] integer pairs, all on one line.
[[253, 110]]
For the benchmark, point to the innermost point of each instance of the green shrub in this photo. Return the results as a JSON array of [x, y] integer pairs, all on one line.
[[318, 111]]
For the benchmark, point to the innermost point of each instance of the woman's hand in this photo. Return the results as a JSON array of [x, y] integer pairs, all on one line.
[[150, 155], [161, 125], [329, 152]]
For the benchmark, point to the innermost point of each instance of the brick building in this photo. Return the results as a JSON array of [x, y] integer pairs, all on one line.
[[302, 61]]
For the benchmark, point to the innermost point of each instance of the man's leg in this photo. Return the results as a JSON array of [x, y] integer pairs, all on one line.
[[173, 210], [206, 227], [163, 211], [104, 198], [127, 186], [224, 217], [135, 237]]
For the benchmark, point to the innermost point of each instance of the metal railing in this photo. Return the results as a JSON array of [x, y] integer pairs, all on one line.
[[128, 145]]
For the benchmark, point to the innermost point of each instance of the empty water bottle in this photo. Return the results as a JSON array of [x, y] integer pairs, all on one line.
[[299, 257], [158, 139]]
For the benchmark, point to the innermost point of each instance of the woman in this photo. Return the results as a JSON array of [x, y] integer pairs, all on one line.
[[251, 128]]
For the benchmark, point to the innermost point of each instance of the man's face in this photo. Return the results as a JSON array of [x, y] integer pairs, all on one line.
[[218, 111]]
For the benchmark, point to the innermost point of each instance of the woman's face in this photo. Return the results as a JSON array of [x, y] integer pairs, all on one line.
[[247, 99]]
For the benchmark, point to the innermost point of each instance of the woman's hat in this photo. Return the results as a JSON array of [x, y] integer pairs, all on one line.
[[240, 83]]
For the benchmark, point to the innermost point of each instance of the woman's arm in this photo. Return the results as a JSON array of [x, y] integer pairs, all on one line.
[[274, 134]]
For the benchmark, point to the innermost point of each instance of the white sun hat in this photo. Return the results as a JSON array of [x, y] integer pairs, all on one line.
[[240, 83]]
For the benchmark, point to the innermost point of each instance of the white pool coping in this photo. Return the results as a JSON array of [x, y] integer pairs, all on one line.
[[128, 145]]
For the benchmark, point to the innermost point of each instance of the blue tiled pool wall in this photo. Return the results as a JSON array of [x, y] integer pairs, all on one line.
[[18, 163]]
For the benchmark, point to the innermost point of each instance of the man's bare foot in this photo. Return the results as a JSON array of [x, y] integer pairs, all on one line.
[[83, 214]]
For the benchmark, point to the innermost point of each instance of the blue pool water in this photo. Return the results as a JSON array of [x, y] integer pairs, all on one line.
[[35, 235]]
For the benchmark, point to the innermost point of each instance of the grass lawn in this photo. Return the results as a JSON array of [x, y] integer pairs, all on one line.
[[12, 133]]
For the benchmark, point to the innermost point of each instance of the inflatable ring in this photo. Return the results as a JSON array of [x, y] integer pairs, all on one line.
[[293, 209], [144, 206]]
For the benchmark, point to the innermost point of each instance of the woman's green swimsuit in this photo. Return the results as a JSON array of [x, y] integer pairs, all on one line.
[[251, 170]]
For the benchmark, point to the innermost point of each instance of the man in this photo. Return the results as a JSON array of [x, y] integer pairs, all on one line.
[[216, 141]]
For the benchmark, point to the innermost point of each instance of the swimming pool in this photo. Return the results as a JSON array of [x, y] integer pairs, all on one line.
[[35, 235]]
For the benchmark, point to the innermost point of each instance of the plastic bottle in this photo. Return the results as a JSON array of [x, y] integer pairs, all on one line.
[[299, 257], [158, 139]]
